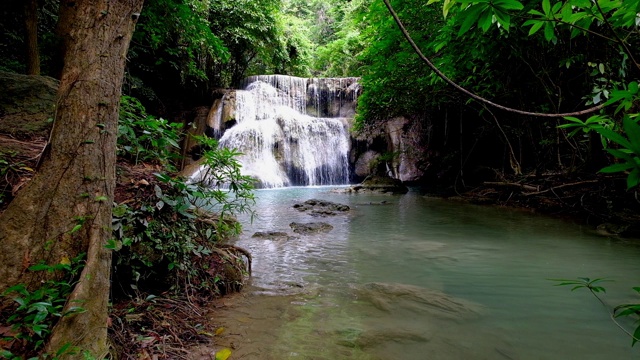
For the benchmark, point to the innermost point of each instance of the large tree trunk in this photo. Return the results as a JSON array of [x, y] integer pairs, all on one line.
[[31, 27], [75, 184]]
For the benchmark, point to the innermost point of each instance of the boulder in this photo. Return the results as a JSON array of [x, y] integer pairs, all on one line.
[[321, 208], [310, 228], [378, 185], [27, 104], [273, 235]]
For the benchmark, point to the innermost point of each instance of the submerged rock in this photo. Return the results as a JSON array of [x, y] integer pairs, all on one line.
[[321, 208], [273, 235], [375, 337], [390, 297], [310, 228]]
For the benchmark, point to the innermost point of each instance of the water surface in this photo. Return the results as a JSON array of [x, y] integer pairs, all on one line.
[[424, 278]]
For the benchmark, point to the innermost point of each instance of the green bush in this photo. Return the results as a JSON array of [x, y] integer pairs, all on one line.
[[166, 238], [142, 137]]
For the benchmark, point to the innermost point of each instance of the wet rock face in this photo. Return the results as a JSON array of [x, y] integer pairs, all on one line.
[[310, 228], [396, 147], [321, 208], [378, 185]]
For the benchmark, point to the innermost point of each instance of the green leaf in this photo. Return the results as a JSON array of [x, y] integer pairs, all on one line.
[[503, 19], [508, 4], [614, 136], [633, 133], [39, 267], [75, 228], [485, 20], [546, 7], [537, 25], [549, 32], [470, 17], [616, 168]]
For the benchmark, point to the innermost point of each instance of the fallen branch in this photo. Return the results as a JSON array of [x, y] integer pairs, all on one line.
[[552, 189], [511, 184]]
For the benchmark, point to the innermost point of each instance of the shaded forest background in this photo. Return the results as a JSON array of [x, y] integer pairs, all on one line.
[[198, 46]]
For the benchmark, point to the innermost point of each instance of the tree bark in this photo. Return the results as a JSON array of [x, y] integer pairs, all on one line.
[[75, 184], [31, 27]]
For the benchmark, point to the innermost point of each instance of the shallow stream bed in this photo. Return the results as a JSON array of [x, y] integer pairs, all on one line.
[[412, 277]]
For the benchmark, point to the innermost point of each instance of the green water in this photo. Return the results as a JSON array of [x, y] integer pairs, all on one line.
[[312, 298]]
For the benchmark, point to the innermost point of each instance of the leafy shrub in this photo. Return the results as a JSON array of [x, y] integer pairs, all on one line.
[[142, 137], [32, 320], [168, 236]]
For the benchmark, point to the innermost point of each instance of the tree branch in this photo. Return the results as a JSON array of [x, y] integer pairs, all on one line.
[[467, 92]]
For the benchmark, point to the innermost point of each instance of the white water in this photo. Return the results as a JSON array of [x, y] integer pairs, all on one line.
[[282, 144], [306, 300]]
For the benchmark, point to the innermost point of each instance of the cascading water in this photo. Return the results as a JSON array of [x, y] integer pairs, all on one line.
[[292, 131]]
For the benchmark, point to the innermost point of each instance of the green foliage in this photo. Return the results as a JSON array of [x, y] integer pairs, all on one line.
[[177, 38], [38, 310], [337, 54], [168, 236], [623, 310], [628, 152], [142, 137]]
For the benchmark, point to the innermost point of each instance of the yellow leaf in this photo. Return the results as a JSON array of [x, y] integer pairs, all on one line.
[[65, 261], [219, 330], [223, 354]]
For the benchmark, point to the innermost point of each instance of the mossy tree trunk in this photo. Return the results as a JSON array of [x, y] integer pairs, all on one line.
[[75, 183]]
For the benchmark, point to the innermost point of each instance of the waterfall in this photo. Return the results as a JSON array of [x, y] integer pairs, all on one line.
[[291, 130]]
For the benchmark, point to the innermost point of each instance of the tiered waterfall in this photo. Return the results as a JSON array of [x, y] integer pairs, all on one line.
[[290, 130]]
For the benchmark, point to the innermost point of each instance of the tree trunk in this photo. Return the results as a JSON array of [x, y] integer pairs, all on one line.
[[75, 184], [31, 27]]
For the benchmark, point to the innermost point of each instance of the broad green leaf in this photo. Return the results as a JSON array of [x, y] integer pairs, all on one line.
[[633, 133], [574, 119], [485, 20], [616, 168], [636, 336], [621, 155], [546, 7], [549, 33], [39, 267], [503, 18], [536, 26], [614, 136], [470, 17], [508, 4], [448, 4]]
